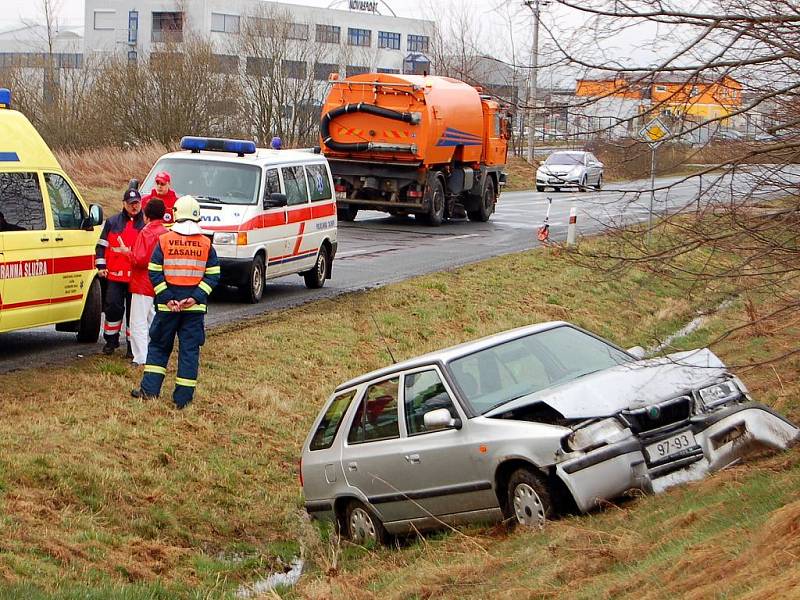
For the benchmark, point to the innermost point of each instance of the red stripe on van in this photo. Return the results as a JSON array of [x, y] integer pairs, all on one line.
[[298, 215], [41, 301]]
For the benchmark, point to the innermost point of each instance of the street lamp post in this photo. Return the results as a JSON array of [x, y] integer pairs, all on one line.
[[535, 6]]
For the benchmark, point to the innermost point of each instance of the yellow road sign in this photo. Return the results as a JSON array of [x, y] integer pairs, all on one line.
[[654, 132]]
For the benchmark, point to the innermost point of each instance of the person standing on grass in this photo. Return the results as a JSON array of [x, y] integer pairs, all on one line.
[[164, 192], [113, 262], [183, 270], [142, 310]]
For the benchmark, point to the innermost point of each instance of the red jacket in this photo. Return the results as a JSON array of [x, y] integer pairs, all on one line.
[[118, 230], [142, 251], [168, 200]]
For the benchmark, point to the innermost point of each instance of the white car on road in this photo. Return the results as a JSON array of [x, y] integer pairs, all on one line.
[[570, 168]]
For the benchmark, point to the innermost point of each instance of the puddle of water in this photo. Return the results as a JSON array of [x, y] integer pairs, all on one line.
[[690, 327], [288, 579]]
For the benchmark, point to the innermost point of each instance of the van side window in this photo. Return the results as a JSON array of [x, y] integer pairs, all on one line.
[[294, 181], [376, 417], [318, 182], [327, 428], [64, 204], [272, 184], [21, 203]]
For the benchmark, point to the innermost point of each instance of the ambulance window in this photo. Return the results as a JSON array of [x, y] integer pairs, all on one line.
[[272, 185], [64, 204], [318, 182], [294, 181], [21, 203]]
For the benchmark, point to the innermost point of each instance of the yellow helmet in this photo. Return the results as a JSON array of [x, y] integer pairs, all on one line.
[[186, 209]]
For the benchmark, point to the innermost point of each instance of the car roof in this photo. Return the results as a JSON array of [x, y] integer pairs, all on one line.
[[19, 137], [447, 354], [569, 152], [262, 157]]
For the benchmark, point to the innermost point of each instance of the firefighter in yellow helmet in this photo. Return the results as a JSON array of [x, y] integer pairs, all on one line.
[[183, 269]]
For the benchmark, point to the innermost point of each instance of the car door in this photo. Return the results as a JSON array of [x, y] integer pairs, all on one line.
[[73, 245], [27, 250], [323, 211], [596, 169], [298, 215], [273, 233]]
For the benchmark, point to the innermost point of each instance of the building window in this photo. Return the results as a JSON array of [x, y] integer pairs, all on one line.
[[224, 23], [661, 88], [294, 69], [695, 91], [258, 67], [329, 34], [297, 31], [104, 19], [322, 71], [418, 43], [69, 61], [386, 70], [387, 39], [359, 37], [167, 27], [263, 26], [225, 63], [355, 70]]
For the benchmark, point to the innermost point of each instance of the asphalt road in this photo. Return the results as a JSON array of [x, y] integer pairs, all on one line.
[[377, 249]]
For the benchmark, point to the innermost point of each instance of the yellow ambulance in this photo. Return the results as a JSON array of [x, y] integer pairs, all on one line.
[[47, 237]]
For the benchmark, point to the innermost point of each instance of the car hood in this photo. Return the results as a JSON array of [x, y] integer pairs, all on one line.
[[558, 170], [632, 385]]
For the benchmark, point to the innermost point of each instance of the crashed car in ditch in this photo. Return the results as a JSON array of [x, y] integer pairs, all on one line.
[[522, 425]]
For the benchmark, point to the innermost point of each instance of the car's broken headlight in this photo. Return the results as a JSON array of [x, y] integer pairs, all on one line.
[[719, 393], [594, 435]]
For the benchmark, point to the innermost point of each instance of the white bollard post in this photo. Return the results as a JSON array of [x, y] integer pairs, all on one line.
[[572, 227]]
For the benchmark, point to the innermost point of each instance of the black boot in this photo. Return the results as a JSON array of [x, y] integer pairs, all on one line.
[[129, 353], [110, 346]]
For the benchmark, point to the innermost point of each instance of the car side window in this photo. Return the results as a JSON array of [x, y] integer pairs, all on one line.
[[64, 204], [294, 181], [376, 417], [272, 184], [318, 182], [424, 392], [329, 426], [21, 203]]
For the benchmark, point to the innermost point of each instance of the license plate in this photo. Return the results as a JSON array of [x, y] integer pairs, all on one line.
[[554, 180], [675, 444]]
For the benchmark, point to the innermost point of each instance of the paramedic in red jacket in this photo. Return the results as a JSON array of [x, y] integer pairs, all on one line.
[[142, 310], [165, 193], [113, 261]]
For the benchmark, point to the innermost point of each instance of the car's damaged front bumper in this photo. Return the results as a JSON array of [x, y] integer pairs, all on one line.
[[715, 439]]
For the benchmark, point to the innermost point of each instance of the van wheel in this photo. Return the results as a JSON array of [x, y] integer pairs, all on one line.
[[486, 207], [89, 324], [363, 527], [434, 199], [253, 290], [529, 502], [347, 214], [315, 278]]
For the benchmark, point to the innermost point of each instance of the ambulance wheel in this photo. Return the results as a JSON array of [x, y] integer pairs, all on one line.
[[434, 199], [253, 290], [89, 324], [315, 278], [486, 207]]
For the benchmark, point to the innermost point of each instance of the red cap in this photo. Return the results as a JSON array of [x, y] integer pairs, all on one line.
[[163, 177]]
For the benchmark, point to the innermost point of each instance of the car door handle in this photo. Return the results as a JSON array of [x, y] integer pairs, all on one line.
[[59, 239], [352, 466], [44, 239], [413, 458]]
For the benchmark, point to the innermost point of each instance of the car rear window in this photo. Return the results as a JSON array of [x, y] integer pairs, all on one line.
[[326, 431]]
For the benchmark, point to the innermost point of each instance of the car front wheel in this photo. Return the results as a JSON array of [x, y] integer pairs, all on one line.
[[364, 528], [583, 185], [599, 185], [529, 502]]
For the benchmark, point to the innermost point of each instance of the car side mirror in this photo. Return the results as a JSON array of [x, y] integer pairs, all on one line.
[[275, 200], [95, 217], [440, 419], [638, 352]]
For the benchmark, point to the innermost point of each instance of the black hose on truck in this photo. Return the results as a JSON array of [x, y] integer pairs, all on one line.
[[405, 117]]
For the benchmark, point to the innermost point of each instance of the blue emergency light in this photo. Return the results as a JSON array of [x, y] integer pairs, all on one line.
[[196, 144], [5, 98]]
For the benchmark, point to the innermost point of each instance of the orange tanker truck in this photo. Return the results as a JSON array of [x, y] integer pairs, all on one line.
[[412, 144]]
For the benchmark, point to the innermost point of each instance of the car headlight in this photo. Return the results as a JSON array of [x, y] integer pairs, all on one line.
[[226, 238], [719, 393], [594, 435]]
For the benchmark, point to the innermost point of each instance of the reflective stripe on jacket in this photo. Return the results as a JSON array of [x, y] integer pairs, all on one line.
[[185, 258]]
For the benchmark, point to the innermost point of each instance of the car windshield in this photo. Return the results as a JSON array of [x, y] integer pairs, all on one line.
[[510, 370], [565, 158], [212, 181]]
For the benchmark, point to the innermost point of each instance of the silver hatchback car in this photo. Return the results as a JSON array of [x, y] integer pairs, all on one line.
[[522, 425]]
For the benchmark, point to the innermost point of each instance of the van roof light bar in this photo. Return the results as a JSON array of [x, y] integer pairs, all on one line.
[[196, 144]]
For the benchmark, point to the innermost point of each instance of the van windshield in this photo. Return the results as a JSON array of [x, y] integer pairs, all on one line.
[[208, 180]]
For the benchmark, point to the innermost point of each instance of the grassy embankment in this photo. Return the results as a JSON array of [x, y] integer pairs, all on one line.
[[104, 496]]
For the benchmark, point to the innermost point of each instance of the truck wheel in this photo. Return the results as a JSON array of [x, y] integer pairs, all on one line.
[[89, 324], [253, 290], [434, 199], [486, 207], [347, 214], [315, 278]]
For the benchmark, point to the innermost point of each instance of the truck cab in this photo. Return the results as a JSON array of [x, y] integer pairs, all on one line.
[[47, 237]]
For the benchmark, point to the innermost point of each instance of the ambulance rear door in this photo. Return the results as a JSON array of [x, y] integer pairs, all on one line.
[[2, 279], [27, 251]]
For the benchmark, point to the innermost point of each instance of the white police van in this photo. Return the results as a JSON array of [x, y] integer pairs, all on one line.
[[270, 212]]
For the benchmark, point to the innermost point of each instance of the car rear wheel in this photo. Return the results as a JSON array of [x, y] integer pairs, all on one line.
[[253, 290], [89, 324], [529, 502], [363, 527], [315, 278]]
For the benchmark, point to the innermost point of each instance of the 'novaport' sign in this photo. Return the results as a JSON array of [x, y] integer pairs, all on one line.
[[364, 5]]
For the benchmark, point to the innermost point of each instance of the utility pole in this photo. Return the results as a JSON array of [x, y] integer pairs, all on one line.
[[533, 74]]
